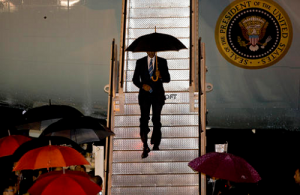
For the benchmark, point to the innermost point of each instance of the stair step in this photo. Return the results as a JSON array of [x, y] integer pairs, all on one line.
[[158, 4], [171, 97], [155, 180], [167, 132], [155, 156], [172, 86], [166, 120], [134, 109], [176, 32], [178, 64], [176, 75], [166, 144], [151, 168], [188, 190]]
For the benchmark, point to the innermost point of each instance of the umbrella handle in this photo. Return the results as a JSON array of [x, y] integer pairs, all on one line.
[[156, 69], [154, 79]]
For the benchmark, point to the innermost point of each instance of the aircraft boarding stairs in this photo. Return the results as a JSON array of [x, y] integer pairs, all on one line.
[[165, 171]]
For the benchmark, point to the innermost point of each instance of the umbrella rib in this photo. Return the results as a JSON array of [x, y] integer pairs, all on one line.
[[216, 170], [234, 164], [223, 161], [36, 161], [51, 156], [78, 183], [75, 135]]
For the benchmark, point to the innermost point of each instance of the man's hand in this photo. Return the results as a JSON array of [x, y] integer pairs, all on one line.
[[146, 87]]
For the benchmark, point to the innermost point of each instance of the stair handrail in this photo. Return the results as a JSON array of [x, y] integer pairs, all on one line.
[[110, 111], [199, 104], [122, 42], [202, 112], [193, 62]]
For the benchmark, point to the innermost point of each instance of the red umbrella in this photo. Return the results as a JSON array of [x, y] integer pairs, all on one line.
[[225, 166], [50, 156], [64, 183], [10, 143]]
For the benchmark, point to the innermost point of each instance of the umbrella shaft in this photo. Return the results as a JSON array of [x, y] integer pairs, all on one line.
[[156, 69]]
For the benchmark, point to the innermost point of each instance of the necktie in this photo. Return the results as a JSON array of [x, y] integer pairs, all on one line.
[[151, 72], [151, 68]]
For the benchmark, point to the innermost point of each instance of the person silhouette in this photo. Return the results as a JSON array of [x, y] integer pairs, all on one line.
[[151, 93], [296, 187]]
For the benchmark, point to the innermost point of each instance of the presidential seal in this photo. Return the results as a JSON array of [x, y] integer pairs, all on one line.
[[253, 34]]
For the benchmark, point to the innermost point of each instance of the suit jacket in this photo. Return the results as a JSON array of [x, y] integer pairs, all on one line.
[[141, 76]]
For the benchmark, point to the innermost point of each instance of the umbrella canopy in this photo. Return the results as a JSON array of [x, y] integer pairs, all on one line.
[[9, 144], [50, 156], [79, 129], [64, 183], [225, 166], [156, 42], [44, 141], [9, 118], [40, 117]]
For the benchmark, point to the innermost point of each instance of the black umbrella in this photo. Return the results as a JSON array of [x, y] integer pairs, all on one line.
[[83, 129], [10, 116], [44, 141], [40, 117], [156, 42]]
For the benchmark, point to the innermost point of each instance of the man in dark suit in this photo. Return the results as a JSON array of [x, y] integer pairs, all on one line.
[[151, 93]]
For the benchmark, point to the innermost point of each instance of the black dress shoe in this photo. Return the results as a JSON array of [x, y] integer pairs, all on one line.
[[146, 150], [155, 147]]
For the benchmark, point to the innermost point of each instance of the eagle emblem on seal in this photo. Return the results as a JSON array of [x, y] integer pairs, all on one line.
[[253, 30]]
